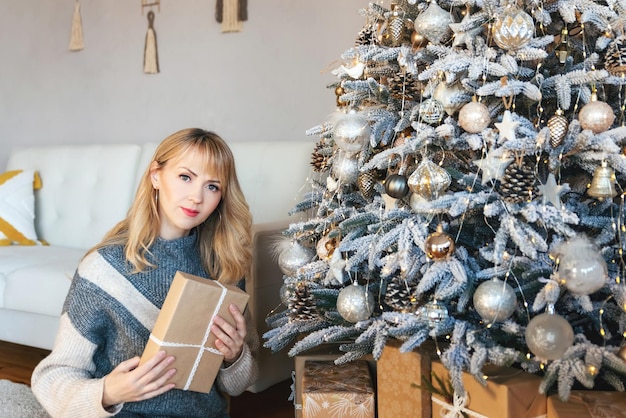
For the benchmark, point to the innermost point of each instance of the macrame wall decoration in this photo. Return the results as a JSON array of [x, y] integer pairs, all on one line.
[[76, 35], [150, 52], [231, 14]]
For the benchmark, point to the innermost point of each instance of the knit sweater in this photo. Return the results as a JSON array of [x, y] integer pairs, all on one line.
[[107, 318]]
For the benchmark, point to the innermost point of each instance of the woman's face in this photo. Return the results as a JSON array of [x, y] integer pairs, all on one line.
[[188, 193]]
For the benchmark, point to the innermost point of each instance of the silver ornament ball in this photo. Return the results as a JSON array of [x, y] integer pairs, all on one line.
[[513, 28], [433, 313], [355, 303], [294, 257], [434, 23], [345, 168], [581, 267], [494, 300], [474, 117], [431, 111], [396, 185], [351, 132], [596, 116], [287, 291], [548, 336]]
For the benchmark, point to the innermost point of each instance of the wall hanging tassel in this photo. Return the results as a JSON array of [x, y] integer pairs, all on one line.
[[150, 53], [231, 14], [76, 36]]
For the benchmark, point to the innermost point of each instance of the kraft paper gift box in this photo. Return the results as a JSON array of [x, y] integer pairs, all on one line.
[[397, 375], [183, 328], [588, 404], [328, 352], [510, 393], [337, 390]]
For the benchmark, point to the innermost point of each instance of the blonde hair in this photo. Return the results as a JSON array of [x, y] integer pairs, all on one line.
[[224, 239]]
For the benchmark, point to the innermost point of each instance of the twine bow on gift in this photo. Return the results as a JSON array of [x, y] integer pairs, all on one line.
[[201, 347], [457, 409]]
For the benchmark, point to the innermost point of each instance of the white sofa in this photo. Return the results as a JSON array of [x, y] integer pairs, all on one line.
[[86, 189]]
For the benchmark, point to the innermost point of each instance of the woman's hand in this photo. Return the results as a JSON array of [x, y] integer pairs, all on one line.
[[230, 339], [129, 382]]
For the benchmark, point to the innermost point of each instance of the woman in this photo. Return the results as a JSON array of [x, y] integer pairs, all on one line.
[[189, 214]]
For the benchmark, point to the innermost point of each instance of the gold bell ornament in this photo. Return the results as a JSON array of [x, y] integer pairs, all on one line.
[[603, 183]]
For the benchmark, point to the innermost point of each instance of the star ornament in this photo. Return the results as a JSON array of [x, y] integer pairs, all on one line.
[[551, 192], [462, 37], [507, 127], [493, 166]]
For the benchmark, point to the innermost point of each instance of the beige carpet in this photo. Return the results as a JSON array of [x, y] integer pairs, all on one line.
[[18, 401]]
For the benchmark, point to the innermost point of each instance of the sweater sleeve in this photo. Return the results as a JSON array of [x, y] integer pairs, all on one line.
[[63, 382], [241, 374]]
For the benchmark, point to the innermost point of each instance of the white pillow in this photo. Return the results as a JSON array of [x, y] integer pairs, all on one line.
[[17, 207]]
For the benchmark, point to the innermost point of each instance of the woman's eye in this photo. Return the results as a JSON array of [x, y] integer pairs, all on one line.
[[213, 187], [185, 177]]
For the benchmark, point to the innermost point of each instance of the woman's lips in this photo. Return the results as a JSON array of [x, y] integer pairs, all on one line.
[[190, 212]]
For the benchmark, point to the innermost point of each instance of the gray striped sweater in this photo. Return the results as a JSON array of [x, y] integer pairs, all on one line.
[[106, 319]]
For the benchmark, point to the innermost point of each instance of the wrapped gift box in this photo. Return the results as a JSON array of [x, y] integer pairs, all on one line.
[[183, 328], [327, 352], [509, 393], [588, 404], [397, 375], [343, 390]]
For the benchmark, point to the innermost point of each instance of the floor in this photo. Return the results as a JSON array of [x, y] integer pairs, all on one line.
[[17, 363]]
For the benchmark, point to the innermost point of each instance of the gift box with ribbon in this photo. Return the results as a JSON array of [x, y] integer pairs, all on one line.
[[337, 390], [508, 393], [588, 404], [183, 328]]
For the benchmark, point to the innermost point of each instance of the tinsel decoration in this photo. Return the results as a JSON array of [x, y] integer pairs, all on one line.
[[150, 52], [76, 37], [615, 57], [400, 295], [558, 128], [518, 183], [231, 14], [302, 305]]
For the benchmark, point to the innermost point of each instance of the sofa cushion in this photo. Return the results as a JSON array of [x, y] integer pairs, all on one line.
[[36, 279], [86, 189], [17, 207]]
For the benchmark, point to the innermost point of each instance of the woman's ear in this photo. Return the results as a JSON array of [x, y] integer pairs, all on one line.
[[154, 174]]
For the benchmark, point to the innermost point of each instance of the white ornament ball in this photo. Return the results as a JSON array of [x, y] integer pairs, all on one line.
[[287, 291], [494, 300], [596, 116], [345, 168], [293, 257], [351, 132], [581, 267], [434, 23], [548, 336], [474, 117], [355, 303]]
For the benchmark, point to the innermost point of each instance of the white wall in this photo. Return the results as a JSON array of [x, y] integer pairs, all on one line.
[[267, 82]]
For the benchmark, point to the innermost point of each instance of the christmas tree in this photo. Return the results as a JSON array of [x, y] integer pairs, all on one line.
[[467, 191]]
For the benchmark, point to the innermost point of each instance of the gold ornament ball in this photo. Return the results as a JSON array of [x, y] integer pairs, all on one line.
[[596, 116], [474, 117], [418, 40], [429, 180], [621, 353], [439, 244]]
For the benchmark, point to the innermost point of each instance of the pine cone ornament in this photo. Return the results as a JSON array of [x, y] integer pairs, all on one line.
[[367, 36], [400, 295], [302, 304], [403, 85], [320, 158], [615, 57], [518, 182], [366, 182]]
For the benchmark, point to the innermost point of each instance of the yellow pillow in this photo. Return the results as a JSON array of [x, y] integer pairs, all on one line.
[[17, 207]]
